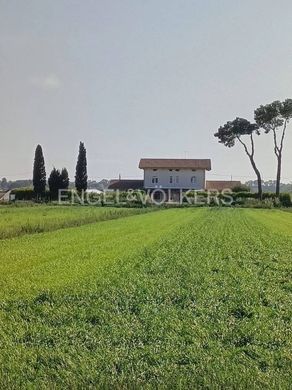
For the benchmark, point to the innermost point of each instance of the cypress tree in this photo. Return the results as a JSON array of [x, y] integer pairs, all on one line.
[[39, 172], [81, 170], [55, 183], [64, 179]]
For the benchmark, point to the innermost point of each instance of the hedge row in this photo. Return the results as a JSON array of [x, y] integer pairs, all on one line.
[[27, 194]]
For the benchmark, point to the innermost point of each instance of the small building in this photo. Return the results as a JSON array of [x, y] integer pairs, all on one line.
[[220, 185], [174, 174], [5, 196], [125, 185]]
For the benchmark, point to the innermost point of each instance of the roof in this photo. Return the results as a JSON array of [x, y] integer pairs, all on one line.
[[124, 185], [175, 163], [221, 184]]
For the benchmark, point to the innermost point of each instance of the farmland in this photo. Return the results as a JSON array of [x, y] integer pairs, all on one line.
[[16, 221], [190, 298]]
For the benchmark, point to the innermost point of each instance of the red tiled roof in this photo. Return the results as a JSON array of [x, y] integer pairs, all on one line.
[[175, 163], [221, 184]]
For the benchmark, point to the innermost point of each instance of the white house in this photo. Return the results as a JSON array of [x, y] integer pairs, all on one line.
[[174, 174]]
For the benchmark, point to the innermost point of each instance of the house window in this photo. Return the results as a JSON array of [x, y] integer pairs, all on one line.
[[177, 170], [154, 170], [193, 179], [154, 180], [170, 179], [170, 170], [177, 179]]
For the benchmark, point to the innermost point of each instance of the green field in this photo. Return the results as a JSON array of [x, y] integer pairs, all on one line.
[[180, 298], [16, 221]]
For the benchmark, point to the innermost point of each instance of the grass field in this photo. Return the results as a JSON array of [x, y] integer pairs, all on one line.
[[16, 221], [181, 298]]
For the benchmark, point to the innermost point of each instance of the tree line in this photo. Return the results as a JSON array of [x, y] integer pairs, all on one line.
[[58, 179], [271, 118]]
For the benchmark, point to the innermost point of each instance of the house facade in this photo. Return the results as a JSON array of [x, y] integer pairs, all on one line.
[[174, 174]]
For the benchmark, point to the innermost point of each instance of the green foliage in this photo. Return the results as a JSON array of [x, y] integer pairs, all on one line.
[[64, 179], [81, 170], [39, 173], [244, 194], [241, 188], [58, 181], [16, 221], [285, 200], [173, 299], [28, 194], [272, 116], [233, 130], [55, 183]]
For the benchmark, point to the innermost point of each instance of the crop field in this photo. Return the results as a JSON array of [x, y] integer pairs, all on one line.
[[179, 298], [15, 221]]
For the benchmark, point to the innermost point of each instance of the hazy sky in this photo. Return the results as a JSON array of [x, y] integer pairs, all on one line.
[[133, 78]]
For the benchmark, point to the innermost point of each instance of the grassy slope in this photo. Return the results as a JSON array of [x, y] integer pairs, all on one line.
[[208, 305], [16, 221]]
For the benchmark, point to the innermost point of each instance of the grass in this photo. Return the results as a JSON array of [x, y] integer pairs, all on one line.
[[16, 221], [175, 299]]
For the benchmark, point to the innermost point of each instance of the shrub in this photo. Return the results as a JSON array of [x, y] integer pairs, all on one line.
[[241, 188], [269, 195], [245, 195], [23, 193], [285, 199], [256, 203], [28, 194]]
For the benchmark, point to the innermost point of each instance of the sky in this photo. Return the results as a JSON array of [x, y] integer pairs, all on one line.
[[133, 79]]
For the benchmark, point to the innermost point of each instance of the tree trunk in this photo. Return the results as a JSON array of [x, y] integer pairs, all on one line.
[[278, 180], [251, 158], [278, 148], [257, 172]]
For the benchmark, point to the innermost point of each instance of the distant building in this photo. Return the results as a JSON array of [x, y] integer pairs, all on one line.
[[167, 178], [174, 174], [220, 185], [125, 185]]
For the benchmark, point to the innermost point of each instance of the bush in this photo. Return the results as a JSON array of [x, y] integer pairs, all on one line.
[[241, 188], [269, 195], [256, 203], [244, 195], [285, 199], [23, 193], [28, 194]]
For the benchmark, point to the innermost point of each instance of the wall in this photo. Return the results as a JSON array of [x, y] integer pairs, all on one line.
[[184, 181]]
